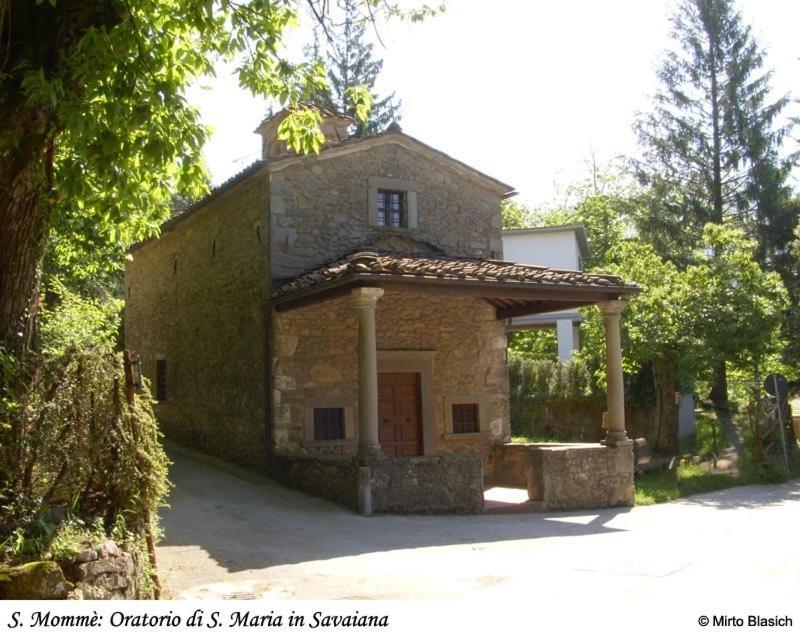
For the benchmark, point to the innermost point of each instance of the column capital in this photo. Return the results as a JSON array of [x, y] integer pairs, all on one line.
[[611, 307], [366, 297]]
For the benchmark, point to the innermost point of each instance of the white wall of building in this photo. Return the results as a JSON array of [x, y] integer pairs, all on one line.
[[563, 248], [553, 249]]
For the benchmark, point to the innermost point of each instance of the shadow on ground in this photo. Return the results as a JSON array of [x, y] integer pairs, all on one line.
[[245, 525]]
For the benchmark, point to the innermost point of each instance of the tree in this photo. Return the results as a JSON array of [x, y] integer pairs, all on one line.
[[711, 142], [351, 64], [516, 215], [683, 322], [94, 125]]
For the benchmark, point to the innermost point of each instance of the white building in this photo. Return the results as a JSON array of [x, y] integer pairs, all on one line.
[[563, 247]]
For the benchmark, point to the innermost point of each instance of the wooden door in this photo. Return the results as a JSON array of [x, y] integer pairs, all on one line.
[[399, 414]]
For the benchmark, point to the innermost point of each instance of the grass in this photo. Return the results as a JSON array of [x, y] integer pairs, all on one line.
[[524, 439], [686, 479], [708, 438]]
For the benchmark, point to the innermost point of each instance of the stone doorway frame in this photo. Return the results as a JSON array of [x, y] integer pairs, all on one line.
[[420, 362]]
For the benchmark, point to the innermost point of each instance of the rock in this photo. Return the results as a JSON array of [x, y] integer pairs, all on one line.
[[42, 580], [93, 592], [102, 566], [85, 556], [107, 548]]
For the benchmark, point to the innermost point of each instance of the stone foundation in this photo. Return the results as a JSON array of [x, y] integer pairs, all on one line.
[[101, 571], [435, 484], [332, 478], [582, 476]]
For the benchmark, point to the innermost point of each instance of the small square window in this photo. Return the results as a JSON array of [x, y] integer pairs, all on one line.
[[465, 418], [328, 424], [392, 209], [161, 379]]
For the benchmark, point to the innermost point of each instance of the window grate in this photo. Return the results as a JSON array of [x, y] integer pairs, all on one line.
[[328, 424], [392, 209], [465, 418]]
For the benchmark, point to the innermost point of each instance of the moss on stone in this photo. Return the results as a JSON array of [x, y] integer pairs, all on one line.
[[40, 580]]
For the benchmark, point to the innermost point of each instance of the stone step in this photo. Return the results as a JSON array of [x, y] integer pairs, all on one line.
[[526, 507]]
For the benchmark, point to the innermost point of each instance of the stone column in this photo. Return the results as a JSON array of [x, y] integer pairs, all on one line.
[[615, 421], [365, 300]]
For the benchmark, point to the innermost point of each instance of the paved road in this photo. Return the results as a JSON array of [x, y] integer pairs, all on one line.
[[226, 536]]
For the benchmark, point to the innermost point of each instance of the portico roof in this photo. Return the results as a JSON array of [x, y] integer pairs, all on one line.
[[514, 289]]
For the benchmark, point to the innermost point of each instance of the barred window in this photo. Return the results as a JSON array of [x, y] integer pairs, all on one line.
[[465, 418], [328, 424], [392, 209]]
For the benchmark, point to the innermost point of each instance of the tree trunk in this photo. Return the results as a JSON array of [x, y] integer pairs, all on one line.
[[25, 221], [717, 143], [666, 385], [719, 386]]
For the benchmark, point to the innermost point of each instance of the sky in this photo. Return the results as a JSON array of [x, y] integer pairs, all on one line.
[[524, 90]]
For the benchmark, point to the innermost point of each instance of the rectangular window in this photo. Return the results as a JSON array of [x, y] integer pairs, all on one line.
[[161, 379], [392, 209], [465, 418], [328, 424]]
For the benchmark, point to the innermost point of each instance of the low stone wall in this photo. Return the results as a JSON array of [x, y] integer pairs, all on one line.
[[101, 571], [507, 465], [436, 484], [332, 478], [581, 476]]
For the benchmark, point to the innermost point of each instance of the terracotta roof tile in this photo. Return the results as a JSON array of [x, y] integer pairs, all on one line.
[[443, 268]]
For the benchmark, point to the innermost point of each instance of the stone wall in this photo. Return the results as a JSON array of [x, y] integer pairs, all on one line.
[[581, 419], [320, 208], [581, 476], [315, 359], [332, 478], [193, 297], [507, 465], [101, 571], [436, 484], [439, 484]]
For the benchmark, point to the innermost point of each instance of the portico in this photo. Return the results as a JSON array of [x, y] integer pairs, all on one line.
[[423, 318]]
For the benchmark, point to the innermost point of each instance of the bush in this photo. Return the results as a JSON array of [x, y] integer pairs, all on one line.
[[532, 382], [76, 451]]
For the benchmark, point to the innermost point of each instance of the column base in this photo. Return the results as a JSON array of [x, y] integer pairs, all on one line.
[[616, 439], [365, 491]]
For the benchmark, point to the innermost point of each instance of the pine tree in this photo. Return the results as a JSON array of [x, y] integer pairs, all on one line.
[[350, 64], [711, 144]]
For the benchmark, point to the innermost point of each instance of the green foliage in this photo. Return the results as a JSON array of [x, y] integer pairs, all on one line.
[[710, 143], [352, 73], [532, 382], [602, 205], [534, 344], [684, 480], [737, 307], [516, 215], [76, 322], [85, 452], [723, 307]]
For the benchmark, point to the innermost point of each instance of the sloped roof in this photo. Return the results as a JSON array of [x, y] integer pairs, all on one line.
[[504, 283]]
